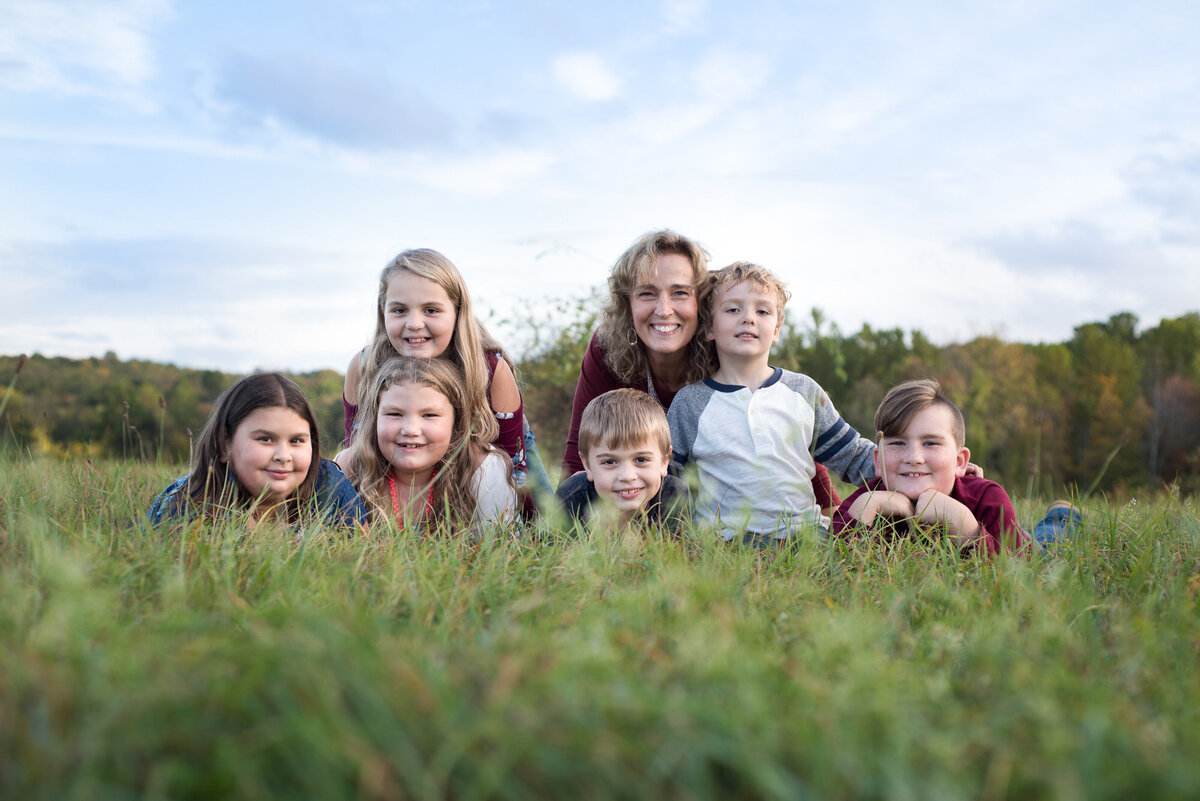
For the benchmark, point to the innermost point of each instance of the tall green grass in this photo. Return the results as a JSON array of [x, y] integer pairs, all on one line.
[[205, 663]]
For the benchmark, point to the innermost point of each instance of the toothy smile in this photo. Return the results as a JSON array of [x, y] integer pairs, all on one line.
[[662, 328]]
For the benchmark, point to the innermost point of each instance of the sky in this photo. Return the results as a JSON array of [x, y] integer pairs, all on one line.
[[218, 184]]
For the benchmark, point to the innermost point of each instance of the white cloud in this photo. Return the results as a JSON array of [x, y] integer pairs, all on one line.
[[586, 76], [70, 45]]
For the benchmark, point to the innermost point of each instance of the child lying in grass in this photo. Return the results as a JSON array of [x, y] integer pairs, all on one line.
[[625, 445]]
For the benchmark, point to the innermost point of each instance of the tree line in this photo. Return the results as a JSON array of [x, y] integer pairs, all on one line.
[[1111, 409]]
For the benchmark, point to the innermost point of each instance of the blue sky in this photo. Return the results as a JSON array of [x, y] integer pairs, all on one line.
[[218, 184]]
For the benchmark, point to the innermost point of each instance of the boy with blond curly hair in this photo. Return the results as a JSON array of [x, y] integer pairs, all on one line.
[[753, 431]]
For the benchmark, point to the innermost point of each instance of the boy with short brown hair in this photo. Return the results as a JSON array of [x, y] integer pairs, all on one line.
[[921, 463], [625, 446]]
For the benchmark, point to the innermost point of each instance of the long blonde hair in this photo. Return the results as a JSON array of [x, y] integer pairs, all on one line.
[[452, 497], [628, 360], [468, 345]]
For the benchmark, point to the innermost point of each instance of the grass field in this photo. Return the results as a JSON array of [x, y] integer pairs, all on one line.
[[213, 665]]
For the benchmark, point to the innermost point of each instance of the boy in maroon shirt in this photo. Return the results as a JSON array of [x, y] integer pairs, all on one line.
[[922, 461]]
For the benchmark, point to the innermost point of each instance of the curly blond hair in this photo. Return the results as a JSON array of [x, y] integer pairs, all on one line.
[[626, 360], [733, 275]]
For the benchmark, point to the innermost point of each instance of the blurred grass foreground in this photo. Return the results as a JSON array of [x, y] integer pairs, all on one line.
[[209, 664]]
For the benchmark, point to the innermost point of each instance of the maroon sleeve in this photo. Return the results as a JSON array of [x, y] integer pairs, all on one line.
[[823, 492], [594, 379], [351, 413], [841, 521], [511, 437], [992, 507]]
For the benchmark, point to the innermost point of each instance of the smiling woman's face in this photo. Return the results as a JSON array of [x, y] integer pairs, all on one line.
[[664, 307]]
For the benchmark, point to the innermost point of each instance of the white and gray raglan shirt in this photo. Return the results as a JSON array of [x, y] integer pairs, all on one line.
[[754, 452]]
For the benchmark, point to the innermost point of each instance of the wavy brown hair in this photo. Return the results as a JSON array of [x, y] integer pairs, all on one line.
[[467, 346], [367, 469], [212, 486], [628, 362]]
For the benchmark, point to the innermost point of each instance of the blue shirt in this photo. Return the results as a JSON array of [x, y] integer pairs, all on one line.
[[336, 499]]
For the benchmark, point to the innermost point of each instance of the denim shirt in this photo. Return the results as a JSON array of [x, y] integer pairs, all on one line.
[[335, 498]]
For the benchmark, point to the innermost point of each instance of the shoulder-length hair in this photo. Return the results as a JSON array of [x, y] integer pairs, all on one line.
[[452, 497], [627, 359], [467, 345], [212, 485]]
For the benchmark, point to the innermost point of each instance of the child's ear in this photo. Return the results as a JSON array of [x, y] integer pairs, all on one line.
[[666, 461], [225, 452], [877, 457], [961, 461], [775, 336]]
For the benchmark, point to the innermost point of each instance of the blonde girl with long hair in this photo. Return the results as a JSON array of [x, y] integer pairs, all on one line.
[[418, 457], [423, 309]]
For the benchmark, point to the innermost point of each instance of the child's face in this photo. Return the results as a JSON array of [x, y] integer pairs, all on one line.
[[663, 305], [270, 452], [627, 477], [415, 426], [745, 321], [925, 456], [418, 315]]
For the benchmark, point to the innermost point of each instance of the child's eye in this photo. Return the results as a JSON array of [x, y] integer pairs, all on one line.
[[432, 310], [642, 459], [399, 310]]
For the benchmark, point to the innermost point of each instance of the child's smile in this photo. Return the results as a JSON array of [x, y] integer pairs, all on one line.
[[270, 452], [418, 315], [627, 477], [415, 424], [924, 456], [745, 320]]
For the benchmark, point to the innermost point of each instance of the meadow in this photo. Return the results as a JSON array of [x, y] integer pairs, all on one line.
[[208, 663]]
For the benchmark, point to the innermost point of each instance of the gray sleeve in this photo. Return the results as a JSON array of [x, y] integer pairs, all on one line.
[[836, 444], [684, 419]]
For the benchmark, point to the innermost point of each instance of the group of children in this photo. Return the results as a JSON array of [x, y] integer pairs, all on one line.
[[435, 439]]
